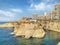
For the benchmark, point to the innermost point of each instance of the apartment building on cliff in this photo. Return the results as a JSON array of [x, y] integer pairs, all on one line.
[[54, 15]]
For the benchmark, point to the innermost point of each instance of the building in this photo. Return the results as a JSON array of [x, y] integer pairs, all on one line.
[[55, 14], [45, 16]]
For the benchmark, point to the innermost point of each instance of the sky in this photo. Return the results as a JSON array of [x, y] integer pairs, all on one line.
[[14, 10]]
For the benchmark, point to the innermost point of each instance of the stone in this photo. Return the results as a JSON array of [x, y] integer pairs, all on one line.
[[58, 43], [28, 33], [39, 33]]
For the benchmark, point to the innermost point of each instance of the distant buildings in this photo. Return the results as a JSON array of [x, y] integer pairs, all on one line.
[[54, 15], [44, 17]]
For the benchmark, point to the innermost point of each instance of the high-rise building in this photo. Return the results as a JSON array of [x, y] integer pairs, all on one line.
[[57, 8], [55, 14]]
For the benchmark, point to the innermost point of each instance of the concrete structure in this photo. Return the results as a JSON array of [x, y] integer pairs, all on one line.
[[55, 14]]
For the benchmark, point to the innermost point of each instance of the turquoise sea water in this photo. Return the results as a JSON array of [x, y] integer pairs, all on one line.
[[6, 38]]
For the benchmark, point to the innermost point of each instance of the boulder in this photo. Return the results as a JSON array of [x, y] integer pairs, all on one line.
[[28, 33], [58, 43], [39, 33]]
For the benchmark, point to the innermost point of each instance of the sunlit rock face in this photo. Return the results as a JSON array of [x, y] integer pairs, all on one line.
[[34, 29], [54, 26], [29, 30], [29, 33], [6, 25], [58, 43], [39, 33]]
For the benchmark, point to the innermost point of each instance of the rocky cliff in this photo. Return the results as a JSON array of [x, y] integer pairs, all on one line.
[[58, 43], [54, 26], [29, 30], [7, 25]]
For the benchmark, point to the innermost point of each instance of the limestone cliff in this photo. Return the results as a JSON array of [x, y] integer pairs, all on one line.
[[7, 25], [39, 33], [54, 26], [29, 30], [58, 43]]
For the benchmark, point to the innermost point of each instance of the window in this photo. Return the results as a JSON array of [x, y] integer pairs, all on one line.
[[55, 17]]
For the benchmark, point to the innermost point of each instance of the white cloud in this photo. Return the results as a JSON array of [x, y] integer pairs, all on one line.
[[49, 6], [10, 15], [41, 6], [6, 13], [17, 10], [32, 5], [2, 19]]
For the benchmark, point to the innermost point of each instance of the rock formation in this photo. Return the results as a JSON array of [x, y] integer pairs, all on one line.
[[29, 30], [58, 43], [54, 26], [39, 33], [6, 25]]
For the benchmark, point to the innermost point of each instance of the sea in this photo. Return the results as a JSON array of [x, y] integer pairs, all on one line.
[[6, 38]]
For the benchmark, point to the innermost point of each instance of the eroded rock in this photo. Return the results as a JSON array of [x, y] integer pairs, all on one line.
[[39, 33], [58, 43]]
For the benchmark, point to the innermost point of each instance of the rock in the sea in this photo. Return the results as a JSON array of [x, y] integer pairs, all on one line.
[[28, 33], [20, 32], [58, 43], [39, 33]]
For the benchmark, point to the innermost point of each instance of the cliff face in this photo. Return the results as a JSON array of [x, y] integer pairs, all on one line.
[[54, 26], [29, 30], [39, 33], [35, 29], [58, 43], [7, 25]]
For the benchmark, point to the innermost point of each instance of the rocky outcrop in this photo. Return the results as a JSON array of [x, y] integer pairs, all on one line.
[[29, 33], [7, 25], [29, 30], [39, 33], [58, 43], [54, 26]]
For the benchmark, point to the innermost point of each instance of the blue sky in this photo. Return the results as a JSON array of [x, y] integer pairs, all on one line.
[[12, 10]]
